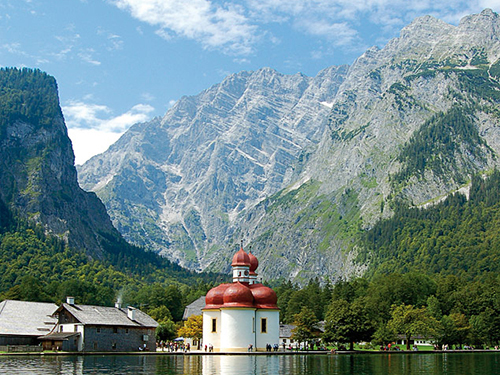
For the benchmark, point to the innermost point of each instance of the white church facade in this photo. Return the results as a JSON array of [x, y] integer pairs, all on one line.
[[242, 314]]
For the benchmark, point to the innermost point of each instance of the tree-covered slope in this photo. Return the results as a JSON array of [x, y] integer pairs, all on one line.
[[457, 236], [35, 266]]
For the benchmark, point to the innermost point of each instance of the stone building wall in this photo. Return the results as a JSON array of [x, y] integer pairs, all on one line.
[[119, 339]]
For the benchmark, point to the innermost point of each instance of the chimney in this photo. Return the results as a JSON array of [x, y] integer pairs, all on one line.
[[131, 312], [118, 305], [70, 300]]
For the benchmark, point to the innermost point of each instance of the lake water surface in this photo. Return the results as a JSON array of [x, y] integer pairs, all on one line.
[[370, 364]]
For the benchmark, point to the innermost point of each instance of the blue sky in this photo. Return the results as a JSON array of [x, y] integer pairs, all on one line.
[[118, 62]]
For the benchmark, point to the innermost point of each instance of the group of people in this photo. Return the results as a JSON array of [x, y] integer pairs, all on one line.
[[389, 347], [270, 348], [173, 346]]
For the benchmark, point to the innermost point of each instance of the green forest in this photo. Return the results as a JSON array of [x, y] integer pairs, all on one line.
[[27, 95], [457, 236], [39, 267], [433, 272], [445, 309], [436, 144]]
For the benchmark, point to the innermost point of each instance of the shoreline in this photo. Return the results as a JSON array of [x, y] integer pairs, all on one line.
[[286, 353]]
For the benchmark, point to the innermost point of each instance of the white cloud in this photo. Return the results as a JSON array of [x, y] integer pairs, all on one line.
[[223, 26], [87, 56], [236, 26], [147, 96], [90, 142], [92, 127], [340, 20], [339, 33], [241, 61], [114, 41], [14, 48]]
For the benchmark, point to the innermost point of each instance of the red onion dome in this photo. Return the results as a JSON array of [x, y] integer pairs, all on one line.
[[238, 295], [265, 297], [241, 258], [254, 262], [215, 296]]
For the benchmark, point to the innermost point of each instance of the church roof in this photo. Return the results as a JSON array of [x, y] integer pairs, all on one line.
[[264, 297], [242, 294], [241, 258], [254, 262], [238, 295]]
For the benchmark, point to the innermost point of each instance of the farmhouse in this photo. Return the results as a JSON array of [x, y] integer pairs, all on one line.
[[98, 328]]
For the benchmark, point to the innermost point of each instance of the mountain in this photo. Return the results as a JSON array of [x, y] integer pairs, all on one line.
[[37, 174], [300, 167], [178, 183], [56, 239], [411, 123]]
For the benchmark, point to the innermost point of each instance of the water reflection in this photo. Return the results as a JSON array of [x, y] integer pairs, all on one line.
[[241, 364], [373, 364]]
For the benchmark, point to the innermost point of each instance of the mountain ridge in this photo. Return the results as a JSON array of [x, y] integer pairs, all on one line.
[[351, 171], [196, 143]]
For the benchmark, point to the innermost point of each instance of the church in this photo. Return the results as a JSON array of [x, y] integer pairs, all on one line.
[[242, 314]]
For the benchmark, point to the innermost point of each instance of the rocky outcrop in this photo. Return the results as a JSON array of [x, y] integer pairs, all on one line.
[[37, 173]]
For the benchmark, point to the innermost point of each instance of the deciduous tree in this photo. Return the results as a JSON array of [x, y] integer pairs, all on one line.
[[347, 322], [193, 328], [410, 321], [306, 324]]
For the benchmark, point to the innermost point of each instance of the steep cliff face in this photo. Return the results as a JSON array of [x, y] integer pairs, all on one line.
[[37, 174], [178, 183], [298, 166]]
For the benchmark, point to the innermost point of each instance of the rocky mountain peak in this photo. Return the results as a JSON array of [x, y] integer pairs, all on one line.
[[224, 150]]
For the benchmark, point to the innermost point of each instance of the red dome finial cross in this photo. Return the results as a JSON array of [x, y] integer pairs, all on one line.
[[241, 258]]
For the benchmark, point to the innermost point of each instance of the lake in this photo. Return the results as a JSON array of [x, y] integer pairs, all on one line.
[[372, 364]]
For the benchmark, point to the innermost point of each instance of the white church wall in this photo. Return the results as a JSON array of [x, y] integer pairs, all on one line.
[[272, 334], [210, 336], [237, 329]]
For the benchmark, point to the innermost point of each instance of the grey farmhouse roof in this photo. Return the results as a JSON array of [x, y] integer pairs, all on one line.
[[25, 318], [286, 330], [194, 308], [108, 316]]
